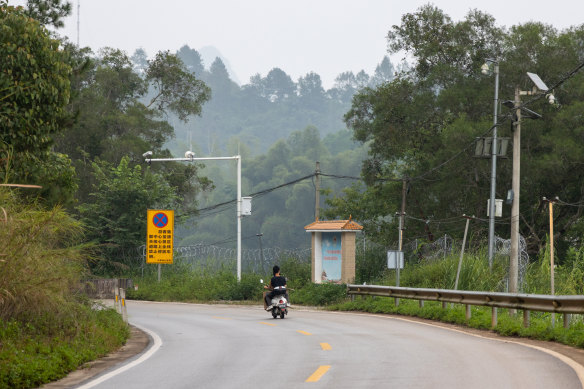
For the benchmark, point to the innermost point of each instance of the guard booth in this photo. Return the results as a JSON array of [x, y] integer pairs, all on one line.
[[333, 250]]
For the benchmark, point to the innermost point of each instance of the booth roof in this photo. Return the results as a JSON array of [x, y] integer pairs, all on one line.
[[333, 225]]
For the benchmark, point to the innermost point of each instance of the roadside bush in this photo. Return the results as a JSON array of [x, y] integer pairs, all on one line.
[[297, 272], [319, 294]]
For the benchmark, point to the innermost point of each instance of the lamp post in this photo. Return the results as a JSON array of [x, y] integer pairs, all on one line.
[[190, 157], [485, 70]]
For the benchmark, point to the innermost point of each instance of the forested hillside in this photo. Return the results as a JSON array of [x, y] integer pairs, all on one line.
[[265, 109], [281, 127]]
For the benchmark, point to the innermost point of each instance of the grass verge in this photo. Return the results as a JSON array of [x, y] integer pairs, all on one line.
[[46, 349], [508, 325]]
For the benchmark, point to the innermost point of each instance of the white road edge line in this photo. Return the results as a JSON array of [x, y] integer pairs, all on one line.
[[578, 368], [155, 346]]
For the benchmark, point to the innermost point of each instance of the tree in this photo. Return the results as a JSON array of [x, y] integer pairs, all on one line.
[[140, 60], [34, 84], [115, 219], [192, 60], [48, 12], [278, 85], [383, 72], [311, 91], [175, 88]]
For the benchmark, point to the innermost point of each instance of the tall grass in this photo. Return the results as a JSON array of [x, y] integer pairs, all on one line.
[[40, 260], [46, 328]]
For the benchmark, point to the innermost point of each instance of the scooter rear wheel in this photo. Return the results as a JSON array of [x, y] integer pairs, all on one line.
[[282, 313]]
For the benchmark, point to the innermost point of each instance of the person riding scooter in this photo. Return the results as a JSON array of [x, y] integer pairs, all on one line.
[[277, 286]]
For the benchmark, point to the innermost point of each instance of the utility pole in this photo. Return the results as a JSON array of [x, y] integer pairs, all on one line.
[[539, 88], [552, 276], [514, 255], [317, 191], [78, 16], [401, 227]]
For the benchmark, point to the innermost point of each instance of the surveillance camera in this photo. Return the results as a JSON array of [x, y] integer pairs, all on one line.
[[189, 154], [147, 154], [551, 98]]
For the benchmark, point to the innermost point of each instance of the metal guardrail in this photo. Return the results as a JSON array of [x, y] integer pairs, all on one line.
[[527, 302]]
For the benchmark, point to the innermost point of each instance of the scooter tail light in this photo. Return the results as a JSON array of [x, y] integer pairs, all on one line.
[[281, 301]]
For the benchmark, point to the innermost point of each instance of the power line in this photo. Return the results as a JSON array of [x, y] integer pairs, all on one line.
[[256, 194]]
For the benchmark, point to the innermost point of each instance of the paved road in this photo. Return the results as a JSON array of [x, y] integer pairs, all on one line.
[[218, 346]]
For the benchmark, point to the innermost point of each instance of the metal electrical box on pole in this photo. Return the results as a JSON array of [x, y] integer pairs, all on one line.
[[246, 206]]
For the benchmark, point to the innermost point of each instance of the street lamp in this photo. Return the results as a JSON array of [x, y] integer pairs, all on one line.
[[539, 88], [485, 70], [190, 157]]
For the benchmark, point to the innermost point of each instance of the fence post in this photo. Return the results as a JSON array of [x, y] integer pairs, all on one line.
[[444, 304], [123, 307], [467, 312], [566, 320], [525, 318], [493, 317], [116, 296], [421, 302]]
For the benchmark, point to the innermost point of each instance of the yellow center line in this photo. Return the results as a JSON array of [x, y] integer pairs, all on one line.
[[268, 324], [317, 375], [221, 318], [304, 332], [325, 346]]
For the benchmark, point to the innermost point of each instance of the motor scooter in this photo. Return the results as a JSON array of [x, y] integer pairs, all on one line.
[[280, 304]]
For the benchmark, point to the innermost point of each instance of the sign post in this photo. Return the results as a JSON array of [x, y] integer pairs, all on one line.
[[159, 237]]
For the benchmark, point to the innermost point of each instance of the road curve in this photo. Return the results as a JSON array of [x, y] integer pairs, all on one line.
[[220, 346]]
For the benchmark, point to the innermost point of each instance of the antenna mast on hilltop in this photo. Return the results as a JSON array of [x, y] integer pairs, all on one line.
[[78, 7]]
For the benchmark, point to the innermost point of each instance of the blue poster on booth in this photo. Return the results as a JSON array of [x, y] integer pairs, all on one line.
[[331, 256]]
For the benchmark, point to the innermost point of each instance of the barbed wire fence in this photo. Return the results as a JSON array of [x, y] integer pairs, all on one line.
[[441, 248], [213, 258]]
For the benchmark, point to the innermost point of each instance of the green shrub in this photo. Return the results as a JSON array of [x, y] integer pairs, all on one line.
[[319, 294]]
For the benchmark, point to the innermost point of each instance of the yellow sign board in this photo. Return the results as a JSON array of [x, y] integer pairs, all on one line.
[[159, 236]]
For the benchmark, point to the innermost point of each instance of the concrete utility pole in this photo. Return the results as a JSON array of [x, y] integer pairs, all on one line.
[[514, 255], [539, 88], [401, 227], [317, 191]]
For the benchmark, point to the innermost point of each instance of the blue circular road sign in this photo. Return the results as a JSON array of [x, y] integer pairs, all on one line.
[[160, 220]]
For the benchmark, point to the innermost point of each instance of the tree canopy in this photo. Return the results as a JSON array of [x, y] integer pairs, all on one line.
[[34, 90], [421, 127]]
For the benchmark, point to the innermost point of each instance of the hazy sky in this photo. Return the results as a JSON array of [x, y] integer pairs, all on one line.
[[324, 36]]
